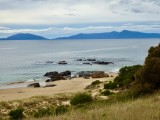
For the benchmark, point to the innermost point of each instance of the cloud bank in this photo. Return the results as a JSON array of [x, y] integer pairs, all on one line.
[[58, 17]]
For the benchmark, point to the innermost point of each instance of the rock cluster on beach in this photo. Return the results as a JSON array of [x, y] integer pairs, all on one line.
[[57, 76], [54, 76]]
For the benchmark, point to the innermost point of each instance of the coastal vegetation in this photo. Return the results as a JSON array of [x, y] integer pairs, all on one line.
[[133, 91]]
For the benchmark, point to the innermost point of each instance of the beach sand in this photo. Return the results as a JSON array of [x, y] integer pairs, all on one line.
[[62, 86]]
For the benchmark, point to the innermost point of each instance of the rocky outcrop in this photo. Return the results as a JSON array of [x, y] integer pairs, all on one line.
[[49, 62], [99, 74], [57, 76], [35, 85], [102, 63], [50, 74], [65, 73], [87, 63], [91, 60], [85, 74], [52, 85], [62, 63]]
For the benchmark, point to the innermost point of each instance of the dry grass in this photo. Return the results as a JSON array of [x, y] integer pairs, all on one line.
[[32, 104], [147, 108]]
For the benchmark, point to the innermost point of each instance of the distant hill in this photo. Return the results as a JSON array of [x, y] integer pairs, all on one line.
[[125, 34], [24, 36]]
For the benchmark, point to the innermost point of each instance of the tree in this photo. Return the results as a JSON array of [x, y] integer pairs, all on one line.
[[150, 73]]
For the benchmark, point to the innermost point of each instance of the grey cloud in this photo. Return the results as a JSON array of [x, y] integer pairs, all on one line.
[[136, 10]]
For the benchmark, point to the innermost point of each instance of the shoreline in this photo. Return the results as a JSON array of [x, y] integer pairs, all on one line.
[[62, 86]]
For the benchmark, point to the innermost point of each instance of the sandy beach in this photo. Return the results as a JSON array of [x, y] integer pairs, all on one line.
[[62, 86]]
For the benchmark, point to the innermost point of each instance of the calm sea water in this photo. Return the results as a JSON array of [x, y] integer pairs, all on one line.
[[25, 60]]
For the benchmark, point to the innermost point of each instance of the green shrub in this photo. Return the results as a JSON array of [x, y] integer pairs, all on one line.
[[81, 98], [96, 82], [150, 73], [110, 85], [126, 75], [44, 112], [60, 110], [50, 111], [16, 114], [106, 92]]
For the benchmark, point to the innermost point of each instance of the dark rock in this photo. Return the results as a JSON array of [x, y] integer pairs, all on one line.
[[62, 62], [51, 74], [91, 60], [85, 73], [35, 85], [99, 74], [48, 80], [102, 63], [87, 63], [55, 78], [49, 62], [50, 85], [86, 77], [79, 60], [65, 73]]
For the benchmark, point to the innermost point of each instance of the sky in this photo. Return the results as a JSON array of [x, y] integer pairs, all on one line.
[[58, 18]]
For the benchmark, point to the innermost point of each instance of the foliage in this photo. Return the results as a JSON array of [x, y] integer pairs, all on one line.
[[106, 92], [16, 114], [150, 73], [110, 85], [50, 111], [126, 75], [60, 110], [81, 98], [44, 112], [96, 82]]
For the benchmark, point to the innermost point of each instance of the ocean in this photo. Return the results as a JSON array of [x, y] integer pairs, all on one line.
[[30, 60]]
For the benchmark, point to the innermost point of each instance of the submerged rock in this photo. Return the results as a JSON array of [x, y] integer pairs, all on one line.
[[49, 62], [102, 63], [87, 63], [90, 59], [62, 63]]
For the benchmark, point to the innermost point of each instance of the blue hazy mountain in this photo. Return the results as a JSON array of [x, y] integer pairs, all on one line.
[[24, 36], [125, 34]]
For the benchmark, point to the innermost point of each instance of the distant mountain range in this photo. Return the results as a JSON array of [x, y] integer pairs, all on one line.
[[24, 36], [125, 34]]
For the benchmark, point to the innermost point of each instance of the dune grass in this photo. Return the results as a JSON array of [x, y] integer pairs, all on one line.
[[144, 108]]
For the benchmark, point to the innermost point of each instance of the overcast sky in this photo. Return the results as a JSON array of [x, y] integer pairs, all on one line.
[[55, 18]]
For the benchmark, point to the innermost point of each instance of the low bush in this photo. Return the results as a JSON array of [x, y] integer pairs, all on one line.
[[16, 114], [110, 85], [96, 82], [126, 75], [50, 111], [60, 110], [44, 112], [106, 92], [81, 98]]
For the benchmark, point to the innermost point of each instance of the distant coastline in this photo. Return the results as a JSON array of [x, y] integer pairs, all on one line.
[[125, 34]]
